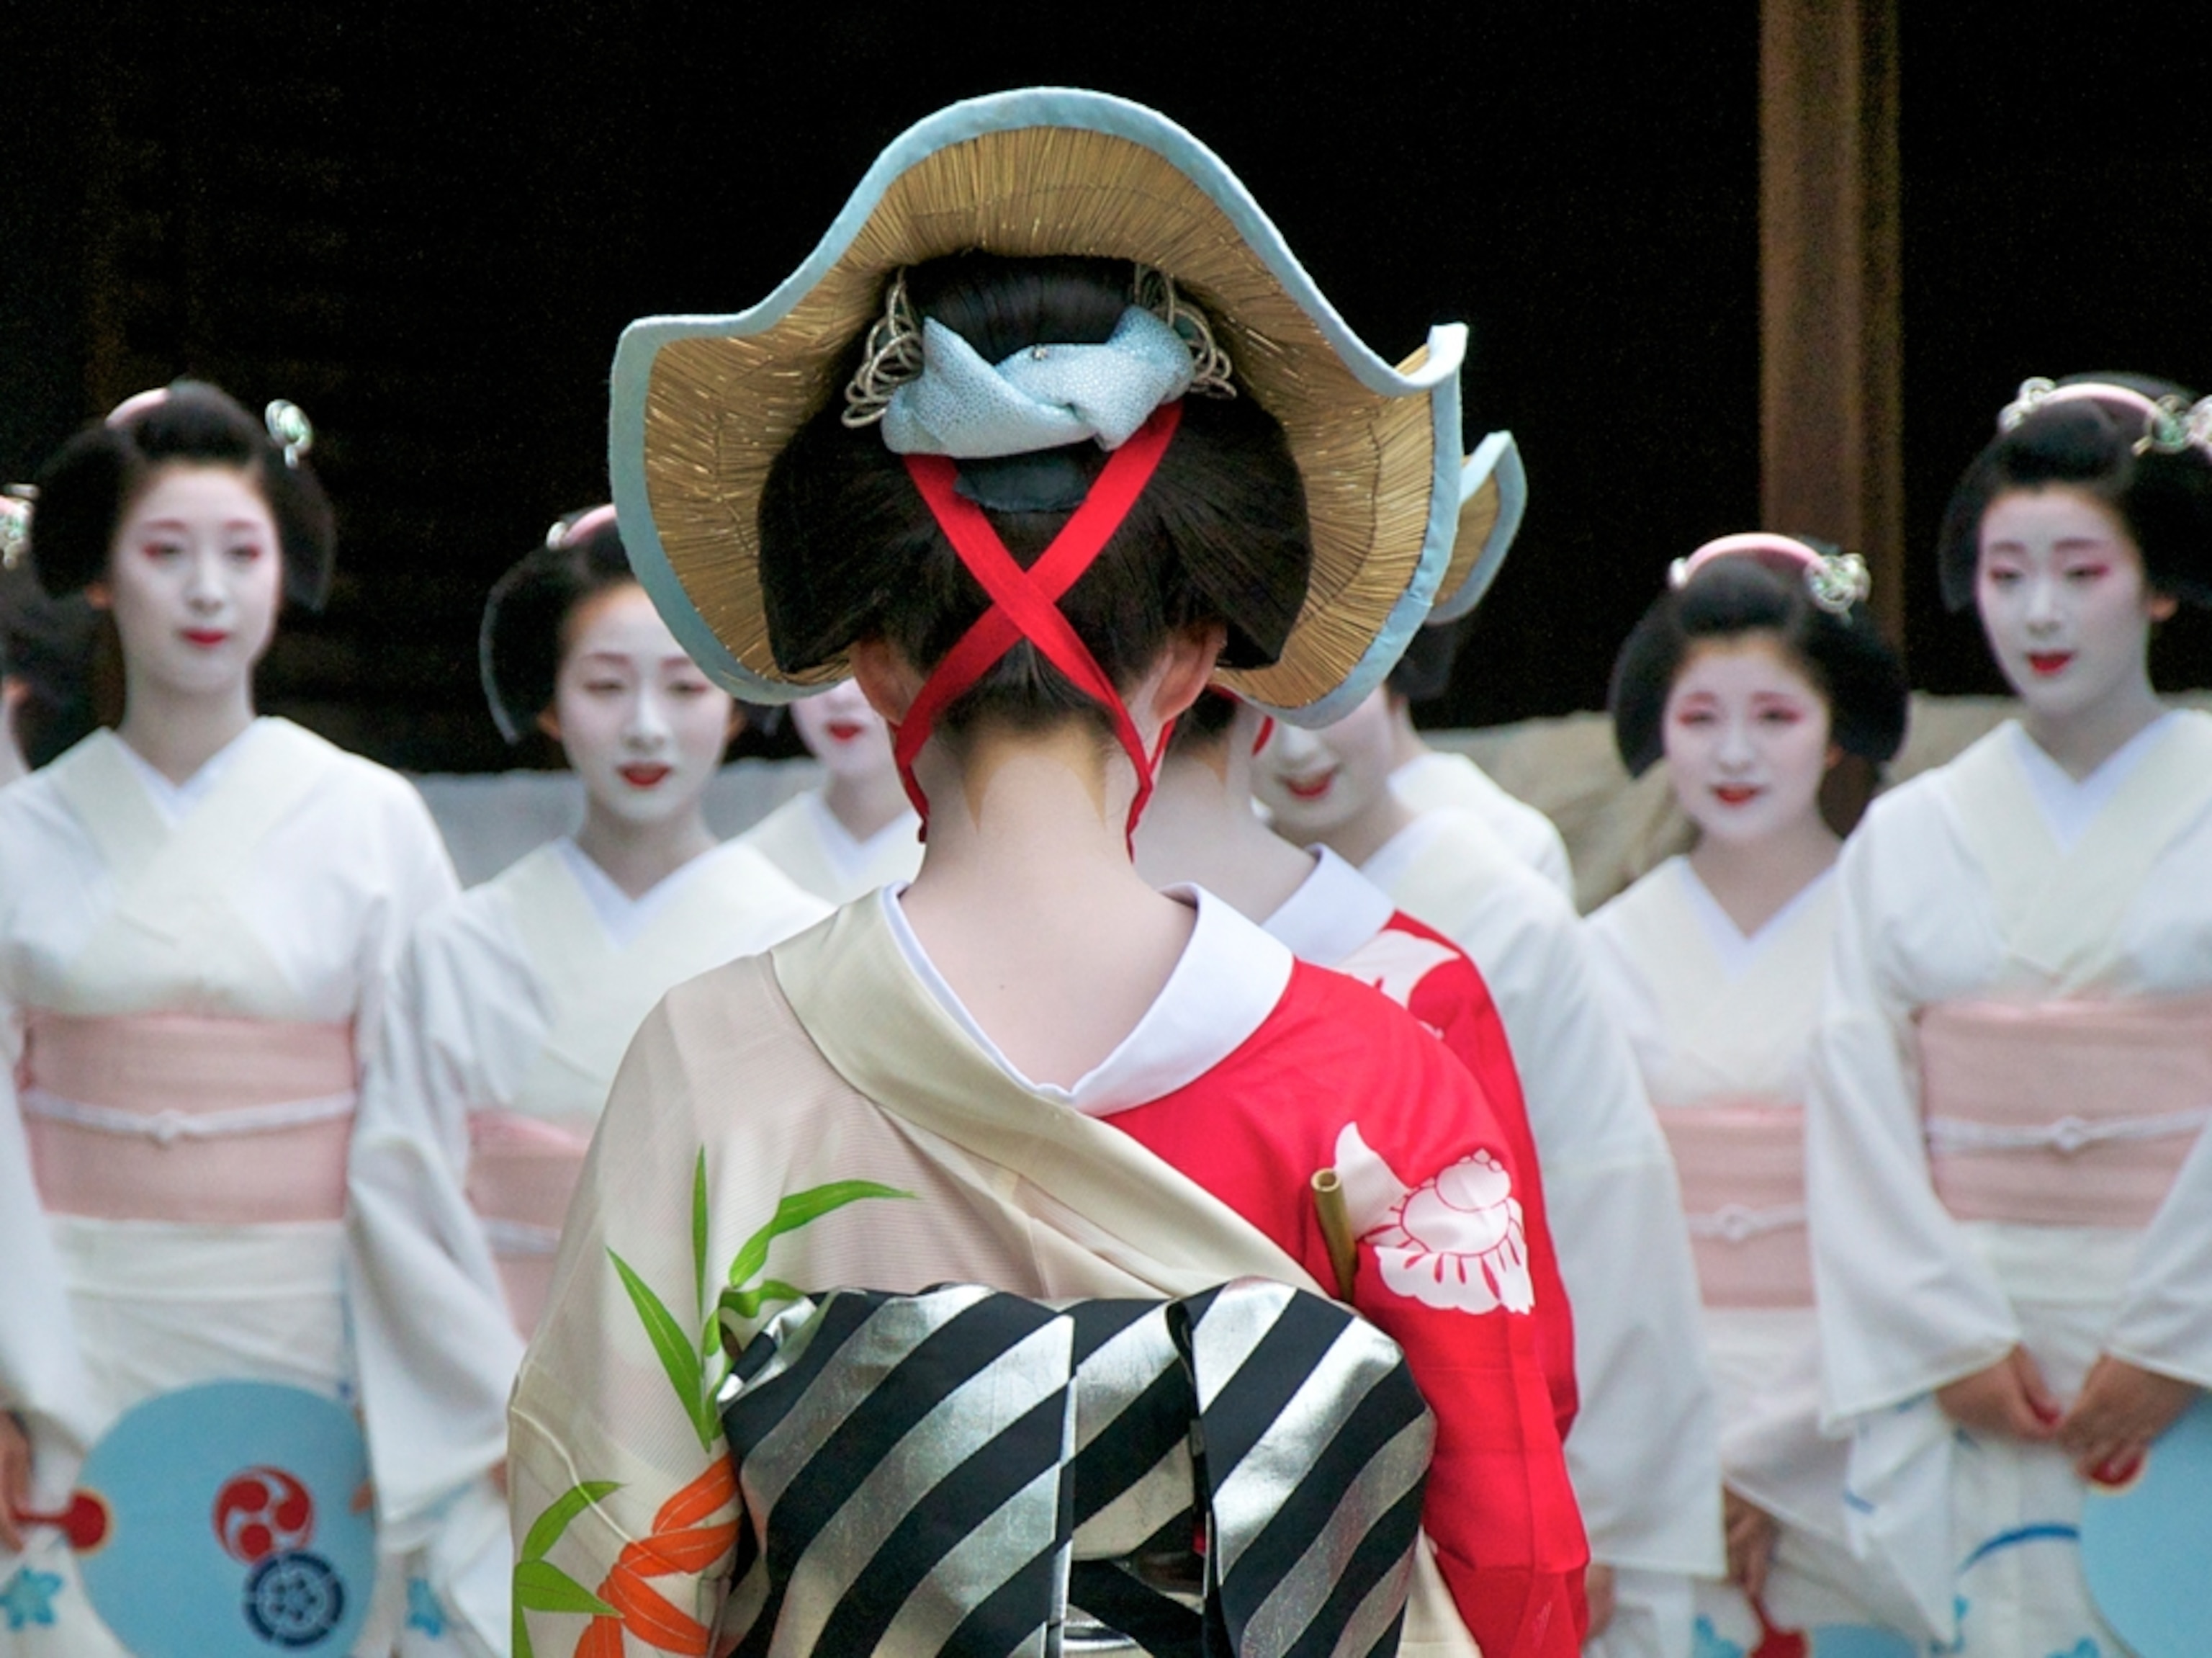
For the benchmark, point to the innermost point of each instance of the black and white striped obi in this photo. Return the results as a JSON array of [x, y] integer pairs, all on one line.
[[966, 1472]]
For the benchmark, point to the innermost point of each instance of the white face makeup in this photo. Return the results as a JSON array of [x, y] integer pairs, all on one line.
[[1315, 782], [1746, 740], [842, 731], [195, 575], [643, 727], [2063, 600]]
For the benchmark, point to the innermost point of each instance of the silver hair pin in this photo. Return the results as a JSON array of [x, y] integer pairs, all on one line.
[[290, 429], [1155, 291], [891, 357]]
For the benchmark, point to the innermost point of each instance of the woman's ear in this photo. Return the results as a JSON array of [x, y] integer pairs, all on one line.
[[1188, 666], [549, 722], [2160, 607], [886, 679], [98, 595]]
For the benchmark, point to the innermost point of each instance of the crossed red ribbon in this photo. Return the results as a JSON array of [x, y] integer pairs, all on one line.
[[1024, 602]]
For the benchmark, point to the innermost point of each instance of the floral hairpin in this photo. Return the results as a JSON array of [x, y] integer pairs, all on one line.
[[290, 429], [1833, 581], [2171, 423], [15, 523]]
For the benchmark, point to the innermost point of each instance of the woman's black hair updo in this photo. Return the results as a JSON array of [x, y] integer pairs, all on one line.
[[849, 551], [2165, 500], [526, 619], [90, 482], [1845, 657]]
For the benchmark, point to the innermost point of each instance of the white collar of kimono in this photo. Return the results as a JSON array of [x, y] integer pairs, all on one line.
[[2069, 807], [1398, 854], [623, 916], [1228, 980], [1334, 911], [173, 800], [1738, 951], [849, 855]]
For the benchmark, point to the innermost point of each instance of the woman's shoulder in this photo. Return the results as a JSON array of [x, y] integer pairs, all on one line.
[[742, 874], [352, 779], [1331, 1025], [1657, 891]]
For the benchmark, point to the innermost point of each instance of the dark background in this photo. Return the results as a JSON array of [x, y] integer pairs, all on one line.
[[431, 240]]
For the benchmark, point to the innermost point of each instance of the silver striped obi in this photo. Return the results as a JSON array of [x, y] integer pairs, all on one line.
[[1741, 1164], [2064, 1114], [967, 1471], [177, 1117]]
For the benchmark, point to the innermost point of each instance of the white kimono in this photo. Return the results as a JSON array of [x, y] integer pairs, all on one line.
[[275, 886], [1716, 1018], [1437, 781], [1999, 878], [803, 838], [515, 1000], [1644, 1451]]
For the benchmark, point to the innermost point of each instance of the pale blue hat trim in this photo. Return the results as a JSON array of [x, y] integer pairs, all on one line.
[[1046, 107], [1500, 456]]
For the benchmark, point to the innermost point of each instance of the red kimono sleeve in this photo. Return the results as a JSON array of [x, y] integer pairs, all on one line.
[[1451, 999], [1339, 1077]]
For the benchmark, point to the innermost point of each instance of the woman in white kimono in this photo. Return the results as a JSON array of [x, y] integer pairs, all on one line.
[[1007, 488], [1750, 677], [511, 1007], [857, 831], [2009, 1228], [198, 910], [1643, 1451]]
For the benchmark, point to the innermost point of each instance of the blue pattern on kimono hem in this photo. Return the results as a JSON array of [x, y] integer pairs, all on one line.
[[1706, 1642], [423, 1612], [29, 1597]]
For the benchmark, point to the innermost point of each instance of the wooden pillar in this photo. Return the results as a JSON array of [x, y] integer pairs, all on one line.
[[1831, 443]]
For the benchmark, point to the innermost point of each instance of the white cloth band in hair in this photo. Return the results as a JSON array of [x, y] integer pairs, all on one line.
[[1040, 397]]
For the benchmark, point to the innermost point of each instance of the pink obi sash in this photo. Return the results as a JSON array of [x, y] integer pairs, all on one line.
[[1741, 1164], [522, 1172], [171, 1116], [2064, 1114]]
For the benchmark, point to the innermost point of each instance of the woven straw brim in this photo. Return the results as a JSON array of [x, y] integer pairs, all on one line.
[[1478, 522], [718, 409]]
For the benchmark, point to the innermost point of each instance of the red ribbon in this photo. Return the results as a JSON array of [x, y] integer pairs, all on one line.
[[1024, 603]]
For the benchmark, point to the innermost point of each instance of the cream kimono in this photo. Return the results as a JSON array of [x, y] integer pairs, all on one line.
[[1720, 1024], [811, 1118], [1998, 881], [1453, 783], [506, 1019], [1644, 1451], [154, 1232], [803, 838]]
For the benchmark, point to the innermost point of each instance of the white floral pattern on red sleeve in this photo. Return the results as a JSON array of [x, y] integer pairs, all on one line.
[[1454, 1241]]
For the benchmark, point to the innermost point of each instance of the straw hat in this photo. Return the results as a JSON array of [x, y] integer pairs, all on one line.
[[1494, 493], [703, 405]]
